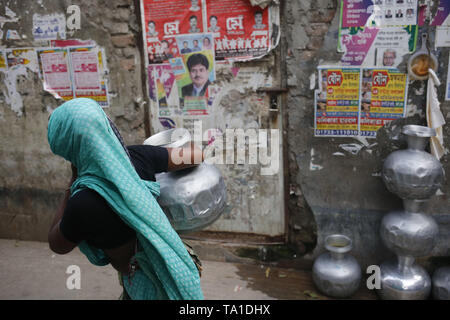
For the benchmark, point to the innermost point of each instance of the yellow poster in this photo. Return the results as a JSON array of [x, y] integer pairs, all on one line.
[[337, 102], [383, 98]]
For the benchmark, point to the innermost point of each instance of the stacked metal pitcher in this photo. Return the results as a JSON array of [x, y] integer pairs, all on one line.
[[414, 175]]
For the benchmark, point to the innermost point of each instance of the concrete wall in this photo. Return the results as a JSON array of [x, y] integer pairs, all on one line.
[[346, 195], [32, 179]]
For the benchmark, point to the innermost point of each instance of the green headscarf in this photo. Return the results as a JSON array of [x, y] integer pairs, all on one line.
[[80, 132]]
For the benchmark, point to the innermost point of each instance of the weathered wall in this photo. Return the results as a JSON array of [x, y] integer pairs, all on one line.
[[327, 193], [32, 179], [345, 194]]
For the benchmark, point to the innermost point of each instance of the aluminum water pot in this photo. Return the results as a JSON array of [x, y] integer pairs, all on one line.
[[191, 198], [336, 273], [413, 173]]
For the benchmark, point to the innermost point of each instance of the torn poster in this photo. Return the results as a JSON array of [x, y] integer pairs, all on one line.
[[442, 16], [383, 98], [240, 30], [55, 72], [336, 102], [49, 27], [164, 89], [26, 57], [74, 72], [163, 20]]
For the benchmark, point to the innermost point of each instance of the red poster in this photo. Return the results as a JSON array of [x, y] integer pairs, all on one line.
[[240, 30], [166, 18]]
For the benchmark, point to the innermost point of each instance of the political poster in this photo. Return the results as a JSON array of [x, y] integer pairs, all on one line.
[[240, 29], [165, 19], [377, 33]]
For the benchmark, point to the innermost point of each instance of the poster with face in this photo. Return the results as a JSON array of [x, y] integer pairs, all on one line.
[[240, 29], [164, 20]]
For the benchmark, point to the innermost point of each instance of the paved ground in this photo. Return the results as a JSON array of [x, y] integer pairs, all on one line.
[[29, 270]]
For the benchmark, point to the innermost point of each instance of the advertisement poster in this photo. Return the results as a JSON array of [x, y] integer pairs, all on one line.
[[55, 72], [379, 13], [74, 72], [383, 98], [240, 29], [85, 69], [165, 19], [337, 102]]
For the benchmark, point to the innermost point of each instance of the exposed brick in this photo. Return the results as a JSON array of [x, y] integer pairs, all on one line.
[[314, 43], [123, 41], [317, 29], [307, 55], [127, 64], [322, 15]]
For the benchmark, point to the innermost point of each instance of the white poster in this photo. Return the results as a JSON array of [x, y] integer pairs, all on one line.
[[86, 70], [48, 27], [56, 71], [442, 38]]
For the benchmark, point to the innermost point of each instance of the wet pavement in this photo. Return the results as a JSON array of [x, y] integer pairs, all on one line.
[[30, 270]]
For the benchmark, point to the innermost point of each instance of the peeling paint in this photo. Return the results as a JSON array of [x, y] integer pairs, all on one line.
[[312, 81], [353, 148], [13, 98], [313, 166], [338, 154]]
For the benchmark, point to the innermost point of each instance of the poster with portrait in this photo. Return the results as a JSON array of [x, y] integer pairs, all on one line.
[[337, 101], [194, 72], [165, 19], [378, 13], [371, 46], [383, 98], [240, 29], [368, 30]]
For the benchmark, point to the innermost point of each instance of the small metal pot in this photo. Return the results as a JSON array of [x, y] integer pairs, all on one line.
[[336, 273]]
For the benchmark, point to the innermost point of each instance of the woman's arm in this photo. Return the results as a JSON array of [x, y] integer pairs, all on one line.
[[181, 158], [57, 242]]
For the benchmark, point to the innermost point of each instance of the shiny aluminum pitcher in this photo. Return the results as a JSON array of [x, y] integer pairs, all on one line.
[[191, 198]]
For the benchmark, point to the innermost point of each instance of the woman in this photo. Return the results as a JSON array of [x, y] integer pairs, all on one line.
[[112, 214]]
